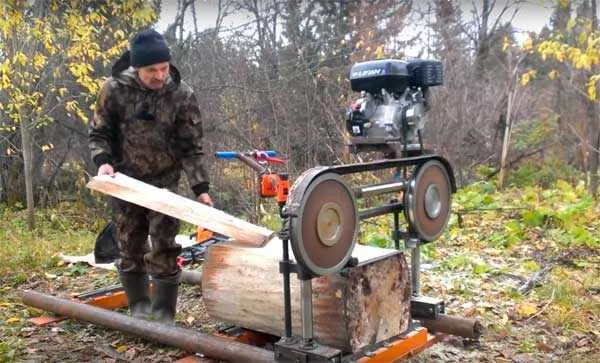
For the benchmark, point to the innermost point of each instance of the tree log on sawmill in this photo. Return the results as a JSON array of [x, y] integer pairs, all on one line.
[[351, 309]]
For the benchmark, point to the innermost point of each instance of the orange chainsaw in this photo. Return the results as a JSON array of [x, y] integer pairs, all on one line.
[[271, 184]]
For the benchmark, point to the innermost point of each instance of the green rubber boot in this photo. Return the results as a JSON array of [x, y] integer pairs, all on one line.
[[136, 287]]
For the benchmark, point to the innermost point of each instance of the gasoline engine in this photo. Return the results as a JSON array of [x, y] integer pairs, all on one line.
[[394, 96]]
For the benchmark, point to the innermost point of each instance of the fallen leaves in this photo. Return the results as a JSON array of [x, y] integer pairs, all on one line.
[[583, 342], [108, 351], [526, 309], [544, 347]]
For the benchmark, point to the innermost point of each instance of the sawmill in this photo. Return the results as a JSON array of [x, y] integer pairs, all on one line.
[[313, 291]]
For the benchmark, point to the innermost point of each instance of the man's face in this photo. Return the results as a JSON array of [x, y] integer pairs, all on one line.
[[154, 76]]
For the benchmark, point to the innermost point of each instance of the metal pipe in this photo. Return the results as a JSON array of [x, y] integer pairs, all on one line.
[[377, 189], [396, 231], [379, 211], [252, 163], [287, 299], [306, 310], [454, 325], [415, 269], [186, 339], [191, 277]]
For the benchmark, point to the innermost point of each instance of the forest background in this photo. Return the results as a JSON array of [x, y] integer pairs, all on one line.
[[517, 117]]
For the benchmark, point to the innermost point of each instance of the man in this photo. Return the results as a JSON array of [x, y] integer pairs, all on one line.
[[147, 125]]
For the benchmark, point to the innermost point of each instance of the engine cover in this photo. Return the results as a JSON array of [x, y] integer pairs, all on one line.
[[395, 75]]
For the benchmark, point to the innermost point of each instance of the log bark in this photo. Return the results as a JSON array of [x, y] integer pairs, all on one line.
[[351, 309], [161, 200]]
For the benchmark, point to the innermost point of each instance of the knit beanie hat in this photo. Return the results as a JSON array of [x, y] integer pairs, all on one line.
[[149, 47]]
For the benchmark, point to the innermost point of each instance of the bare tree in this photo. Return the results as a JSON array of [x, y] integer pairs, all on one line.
[[484, 26]]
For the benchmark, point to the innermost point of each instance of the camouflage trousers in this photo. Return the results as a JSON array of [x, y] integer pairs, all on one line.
[[133, 225]]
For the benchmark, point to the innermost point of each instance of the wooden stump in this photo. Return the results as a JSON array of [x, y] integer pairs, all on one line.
[[351, 309]]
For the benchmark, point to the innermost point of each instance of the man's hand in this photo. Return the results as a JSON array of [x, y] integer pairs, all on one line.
[[106, 169], [204, 198]]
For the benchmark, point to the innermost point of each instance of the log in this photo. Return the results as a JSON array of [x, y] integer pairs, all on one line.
[[185, 339], [164, 201], [351, 309], [454, 325]]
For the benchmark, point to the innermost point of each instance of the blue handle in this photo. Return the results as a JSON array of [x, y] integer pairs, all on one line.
[[226, 154], [233, 154]]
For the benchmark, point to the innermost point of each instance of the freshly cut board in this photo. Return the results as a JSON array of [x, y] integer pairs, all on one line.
[[352, 309], [164, 201]]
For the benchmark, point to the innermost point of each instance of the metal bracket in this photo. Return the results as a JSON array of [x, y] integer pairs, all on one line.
[[410, 241], [295, 351], [288, 267], [426, 307]]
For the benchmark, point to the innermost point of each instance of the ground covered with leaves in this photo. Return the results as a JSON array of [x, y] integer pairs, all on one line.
[[525, 261]]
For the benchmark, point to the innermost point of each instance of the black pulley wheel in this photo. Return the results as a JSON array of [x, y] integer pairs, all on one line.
[[325, 221], [428, 200]]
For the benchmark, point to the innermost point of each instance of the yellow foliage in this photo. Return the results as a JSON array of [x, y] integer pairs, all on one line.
[[505, 43], [528, 44], [5, 71], [526, 309], [527, 77], [592, 89], [583, 56], [12, 320], [60, 47], [553, 74], [119, 34], [571, 24], [19, 58], [39, 61], [379, 52], [71, 106]]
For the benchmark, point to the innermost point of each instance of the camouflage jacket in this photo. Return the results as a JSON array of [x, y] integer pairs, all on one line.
[[149, 135]]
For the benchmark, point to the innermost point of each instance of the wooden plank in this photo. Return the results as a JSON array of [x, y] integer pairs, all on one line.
[[161, 200]]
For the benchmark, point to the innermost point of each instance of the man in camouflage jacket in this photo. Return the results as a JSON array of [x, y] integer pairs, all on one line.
[[147, 125]]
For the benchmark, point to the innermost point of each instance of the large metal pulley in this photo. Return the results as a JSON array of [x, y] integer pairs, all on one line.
[[324, 224], [427, 200]]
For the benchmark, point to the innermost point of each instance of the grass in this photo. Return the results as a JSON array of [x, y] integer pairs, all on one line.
[[516, 231], [58, 230], [569, 291], [27, 255]]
